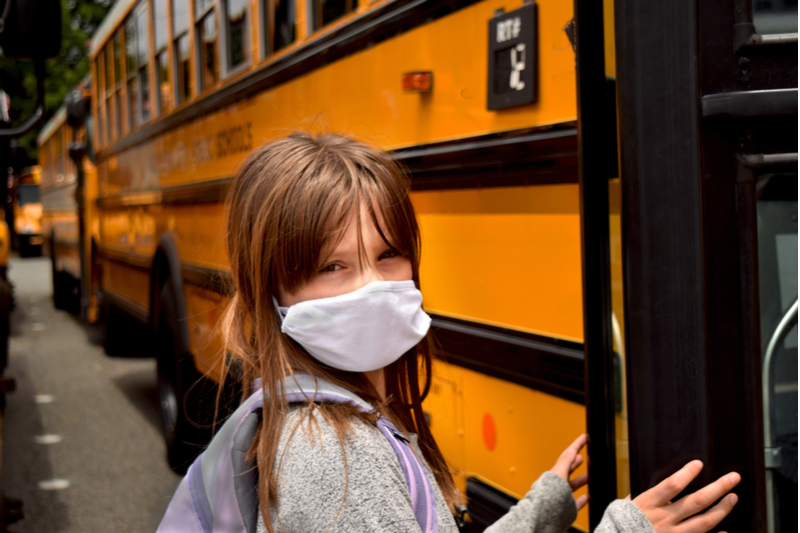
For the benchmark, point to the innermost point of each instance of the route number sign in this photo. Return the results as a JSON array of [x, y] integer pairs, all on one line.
[[512, 58]]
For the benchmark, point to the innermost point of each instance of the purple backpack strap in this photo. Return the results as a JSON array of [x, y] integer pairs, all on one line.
[[219, 492]]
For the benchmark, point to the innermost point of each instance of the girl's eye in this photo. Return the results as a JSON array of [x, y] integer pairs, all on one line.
[[333, 267], [388, 254]]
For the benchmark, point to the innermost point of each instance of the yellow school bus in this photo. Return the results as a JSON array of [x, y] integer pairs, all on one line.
[[537, 209], [28, 212], [182, 91], [69, 222]]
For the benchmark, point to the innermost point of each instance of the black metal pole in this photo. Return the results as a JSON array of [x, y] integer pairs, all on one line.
[[596, 147]]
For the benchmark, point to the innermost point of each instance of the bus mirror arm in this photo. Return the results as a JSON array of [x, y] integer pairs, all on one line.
[[38, 114]]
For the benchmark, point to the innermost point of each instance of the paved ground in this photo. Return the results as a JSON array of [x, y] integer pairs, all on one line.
[[105, 412]]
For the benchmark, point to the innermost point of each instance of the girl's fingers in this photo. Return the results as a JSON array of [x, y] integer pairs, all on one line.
[[577, 444], [578, 482], [708, 520], [697, 502], [563, 466], [581, 501], [576, 463], [665, 491]]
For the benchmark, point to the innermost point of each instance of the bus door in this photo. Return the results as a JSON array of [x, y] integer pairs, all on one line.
[[706, 94]]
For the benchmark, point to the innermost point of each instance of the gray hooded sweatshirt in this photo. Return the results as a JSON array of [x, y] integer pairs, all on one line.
[[327, 487]]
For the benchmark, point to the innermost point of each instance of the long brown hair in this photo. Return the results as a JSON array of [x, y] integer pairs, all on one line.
[[288, 205]]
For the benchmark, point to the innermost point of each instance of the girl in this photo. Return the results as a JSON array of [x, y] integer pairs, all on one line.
[[327, 320]]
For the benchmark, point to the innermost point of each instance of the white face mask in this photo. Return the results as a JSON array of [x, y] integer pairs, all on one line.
[[360, 331]]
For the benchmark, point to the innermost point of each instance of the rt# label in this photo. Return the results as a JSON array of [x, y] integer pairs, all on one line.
[[512, 58]]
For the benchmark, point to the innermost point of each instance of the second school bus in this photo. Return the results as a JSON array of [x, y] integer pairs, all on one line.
[[478, 100]]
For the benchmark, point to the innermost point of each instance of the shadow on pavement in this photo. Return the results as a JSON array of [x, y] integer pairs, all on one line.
[[141, 389]]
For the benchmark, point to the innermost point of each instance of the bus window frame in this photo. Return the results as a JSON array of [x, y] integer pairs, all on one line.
[[314, 17], [745, 30], [131, 70], [223, 36], [117, 43], [161, 107], [108, 52], [267, 24], [212, 9], [100, 84], [145, 9], [188, 32]]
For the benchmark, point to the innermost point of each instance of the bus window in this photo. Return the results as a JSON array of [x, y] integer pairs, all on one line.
[[206, 21], [100, 67], [130, 63], [326, 11], [44, 162], [142, 57], [109, 73], [117, 86], [776, 210], [775, 16], [236, 32], [180, 32], [28, 194], [162, 61], [279, 19], [58, 155]]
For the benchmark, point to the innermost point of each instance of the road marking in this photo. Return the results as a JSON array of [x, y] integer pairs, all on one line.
[[37, 326], [43, 398], [47, 439], [54, 484]]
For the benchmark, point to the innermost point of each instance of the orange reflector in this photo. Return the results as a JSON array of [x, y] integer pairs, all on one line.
[[418, 82]]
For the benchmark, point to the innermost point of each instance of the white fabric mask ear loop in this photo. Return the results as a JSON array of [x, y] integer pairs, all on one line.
[[281, 310]]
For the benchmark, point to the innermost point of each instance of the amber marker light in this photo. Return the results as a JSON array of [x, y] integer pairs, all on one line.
[[418, 82]]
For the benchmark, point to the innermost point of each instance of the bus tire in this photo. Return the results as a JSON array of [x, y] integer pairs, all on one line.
[[177, 376]]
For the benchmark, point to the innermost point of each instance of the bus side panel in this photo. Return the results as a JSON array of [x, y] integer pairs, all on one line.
[[507, 256], [504, 434], [129, 283], [60, 217], [205, 308], [198, 232]]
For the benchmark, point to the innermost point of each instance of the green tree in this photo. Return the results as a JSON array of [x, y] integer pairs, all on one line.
[[80, 19]]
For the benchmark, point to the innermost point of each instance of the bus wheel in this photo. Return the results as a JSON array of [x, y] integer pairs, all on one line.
[[176, 377]]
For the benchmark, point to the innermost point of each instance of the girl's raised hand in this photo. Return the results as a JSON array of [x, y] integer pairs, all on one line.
[[669, 517], [567, 463]]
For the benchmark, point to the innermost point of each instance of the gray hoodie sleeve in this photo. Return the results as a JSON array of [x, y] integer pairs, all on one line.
[[625, 517], [549, 507]]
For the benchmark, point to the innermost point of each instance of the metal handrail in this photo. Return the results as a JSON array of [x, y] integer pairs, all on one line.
[[784, 326], [789, 319]]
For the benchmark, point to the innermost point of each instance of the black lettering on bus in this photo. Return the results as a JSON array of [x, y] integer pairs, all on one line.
[[235, 140]]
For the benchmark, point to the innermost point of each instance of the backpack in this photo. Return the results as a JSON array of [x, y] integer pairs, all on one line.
[[219, 492]]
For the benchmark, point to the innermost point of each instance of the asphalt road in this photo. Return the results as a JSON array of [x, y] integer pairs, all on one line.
[[82, 440]]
